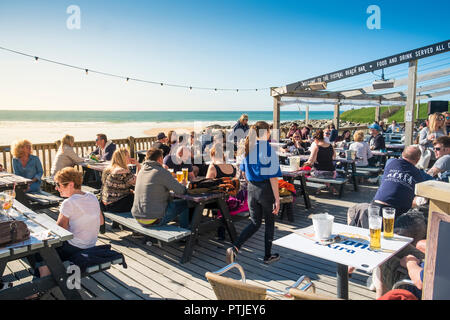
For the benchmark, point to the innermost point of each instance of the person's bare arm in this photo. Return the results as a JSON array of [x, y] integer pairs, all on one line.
[[63, 221], [276, 194], [312, 157], [211, 174]]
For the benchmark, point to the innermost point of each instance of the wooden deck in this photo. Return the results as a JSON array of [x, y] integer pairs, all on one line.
[[155, 273]]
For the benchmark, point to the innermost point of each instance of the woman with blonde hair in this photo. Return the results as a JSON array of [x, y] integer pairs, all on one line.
[[363, 153], [435, 129], [66, 156], [27, 165], [117, 181]]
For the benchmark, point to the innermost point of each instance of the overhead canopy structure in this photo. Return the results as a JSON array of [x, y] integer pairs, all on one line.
[[311, 91]]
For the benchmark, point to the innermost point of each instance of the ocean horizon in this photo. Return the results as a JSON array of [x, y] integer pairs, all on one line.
[[153, 116]]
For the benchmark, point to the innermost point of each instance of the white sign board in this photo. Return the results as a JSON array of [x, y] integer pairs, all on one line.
[[352, 251]]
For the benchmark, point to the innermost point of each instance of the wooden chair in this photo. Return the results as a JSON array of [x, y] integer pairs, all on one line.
[[230, 289], [302, 295]]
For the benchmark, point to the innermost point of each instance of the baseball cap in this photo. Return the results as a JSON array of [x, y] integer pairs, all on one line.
[[160, 136], [375, 126]]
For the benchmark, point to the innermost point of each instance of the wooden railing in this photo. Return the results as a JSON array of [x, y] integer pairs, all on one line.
[[47, 151]]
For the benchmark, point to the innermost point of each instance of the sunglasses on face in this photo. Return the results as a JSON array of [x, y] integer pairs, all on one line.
[[58, 185], [448, 118], [437, 149]]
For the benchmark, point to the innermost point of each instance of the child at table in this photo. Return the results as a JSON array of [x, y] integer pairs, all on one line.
[[262, 169]]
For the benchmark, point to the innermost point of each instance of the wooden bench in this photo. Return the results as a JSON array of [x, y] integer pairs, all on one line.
[[42, 199], [84, 188], [168, 233], [339, 181]]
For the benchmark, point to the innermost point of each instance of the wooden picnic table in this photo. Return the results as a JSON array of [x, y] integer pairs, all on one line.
[[292, 175], [97, 166], [46, 235], [7, 181], [353, 250], [199, 201]]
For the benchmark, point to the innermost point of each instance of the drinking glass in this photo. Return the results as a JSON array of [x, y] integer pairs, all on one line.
[[373, 210], [375, 232], [180, 176], [185, 174], [388, 222]]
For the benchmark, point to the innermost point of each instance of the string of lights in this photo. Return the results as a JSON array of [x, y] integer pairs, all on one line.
[[128, 79]]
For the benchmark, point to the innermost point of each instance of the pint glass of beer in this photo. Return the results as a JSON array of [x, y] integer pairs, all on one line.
[[180, 176], [185, 174], [375, 232], [388, 222], [373, 210]]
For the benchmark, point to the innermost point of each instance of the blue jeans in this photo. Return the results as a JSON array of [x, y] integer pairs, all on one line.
[[175, 208]]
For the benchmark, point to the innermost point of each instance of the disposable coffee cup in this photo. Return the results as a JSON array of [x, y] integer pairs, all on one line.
[[323, 225]]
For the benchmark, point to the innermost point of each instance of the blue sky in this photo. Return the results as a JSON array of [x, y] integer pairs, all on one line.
[[228, 44]]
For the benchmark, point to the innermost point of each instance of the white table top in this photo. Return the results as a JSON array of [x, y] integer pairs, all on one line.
[[353, 252]]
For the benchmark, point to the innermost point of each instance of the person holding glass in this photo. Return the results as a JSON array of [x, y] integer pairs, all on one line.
[[27, 165]]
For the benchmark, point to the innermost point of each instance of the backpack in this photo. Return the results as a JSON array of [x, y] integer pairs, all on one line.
[[225, 184], [13, 231]]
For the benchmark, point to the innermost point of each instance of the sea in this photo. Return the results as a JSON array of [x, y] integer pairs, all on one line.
[[49, 126]]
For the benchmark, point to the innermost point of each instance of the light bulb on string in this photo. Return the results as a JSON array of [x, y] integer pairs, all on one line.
[[87, 71], [36, 58], [128, 79]]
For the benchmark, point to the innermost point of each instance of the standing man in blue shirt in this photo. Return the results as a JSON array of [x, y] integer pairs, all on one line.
[[262, 169]]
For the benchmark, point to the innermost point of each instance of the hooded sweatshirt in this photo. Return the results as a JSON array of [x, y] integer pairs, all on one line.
[[152, 191]]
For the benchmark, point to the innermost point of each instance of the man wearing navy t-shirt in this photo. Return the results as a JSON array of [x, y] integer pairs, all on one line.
[[399, 181]]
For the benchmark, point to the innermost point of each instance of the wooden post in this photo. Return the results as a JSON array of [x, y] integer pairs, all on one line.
[[377, 113], [276, 119], [131, 145], [336, 116], [307, 115], [439, 195], [410, 102]]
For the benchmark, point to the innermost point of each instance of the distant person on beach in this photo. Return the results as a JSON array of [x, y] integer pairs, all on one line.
[[181, 159], [117, 183], [105, 148], [162, 143], [262, 169], [66, 156], [27, 165], [152, 206]]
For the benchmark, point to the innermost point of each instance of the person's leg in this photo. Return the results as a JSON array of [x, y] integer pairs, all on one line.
[[122, 205], [176, 208], [256, 214]]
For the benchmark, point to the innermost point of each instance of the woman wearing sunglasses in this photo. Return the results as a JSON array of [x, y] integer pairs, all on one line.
[[435, 129], [297, 146]]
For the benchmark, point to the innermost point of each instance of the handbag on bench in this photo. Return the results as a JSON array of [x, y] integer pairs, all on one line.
[[13, 231]]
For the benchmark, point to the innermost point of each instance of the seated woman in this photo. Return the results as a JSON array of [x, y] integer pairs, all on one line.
[[321, 158], [297, 146], [362, 149], [27, 165], [79, 214], [66, 156], [218, 168], [117, 181], [343, 140]]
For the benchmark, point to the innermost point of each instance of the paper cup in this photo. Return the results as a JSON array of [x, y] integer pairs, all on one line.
[[323, 225]]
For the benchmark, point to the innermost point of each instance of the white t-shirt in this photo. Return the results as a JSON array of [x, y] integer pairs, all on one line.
[[83, 212], [362, 153]]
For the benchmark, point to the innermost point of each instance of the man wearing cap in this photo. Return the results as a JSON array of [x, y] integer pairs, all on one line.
[[376, 141], [162, 143]]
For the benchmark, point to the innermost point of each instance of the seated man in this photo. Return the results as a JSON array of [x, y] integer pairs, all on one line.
[[442, 152], [181, 159], [376, 142], [105, 148], [399, 181], [152, 205], [162, 143]]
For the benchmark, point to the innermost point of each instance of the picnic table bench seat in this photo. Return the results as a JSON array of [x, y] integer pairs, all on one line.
[[95, 268], [168, 233], [84, 188], [42, 199], [339, 181]]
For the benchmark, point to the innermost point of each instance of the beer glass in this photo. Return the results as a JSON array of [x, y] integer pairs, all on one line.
[[388, 222], [185, 174], [373, 210], [375, 232], [180, 176]]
